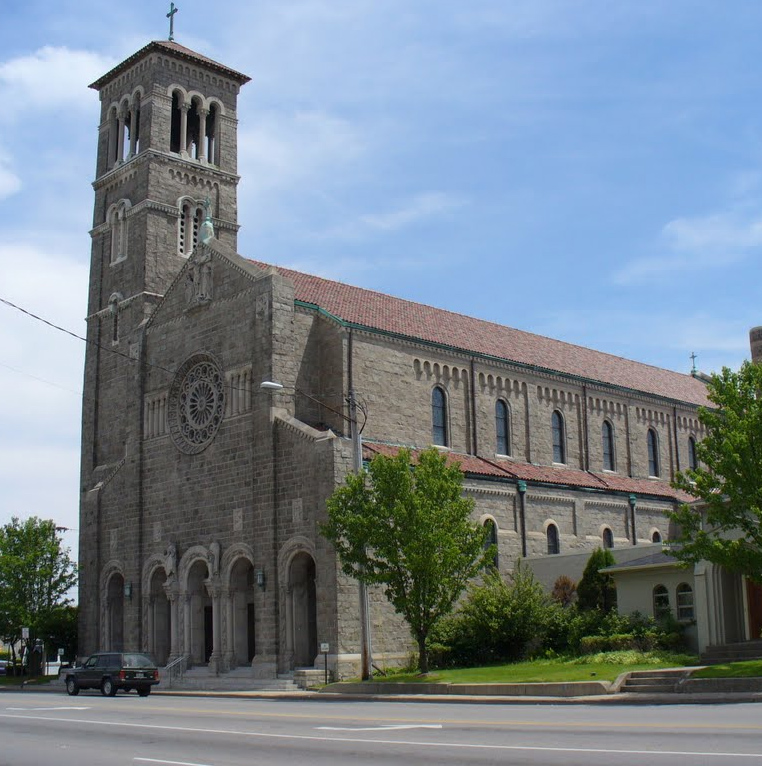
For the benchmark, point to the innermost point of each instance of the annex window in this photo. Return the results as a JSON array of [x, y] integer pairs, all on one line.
[[608, 538], [656, 536], [607, 438], [439, 431], [661, 601], [491, 539], [559, 437], [653, 453], [554, 543], [684, 602], [502, 428], [692, 458]]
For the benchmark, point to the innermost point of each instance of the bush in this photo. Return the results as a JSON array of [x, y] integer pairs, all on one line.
[[596, 590]]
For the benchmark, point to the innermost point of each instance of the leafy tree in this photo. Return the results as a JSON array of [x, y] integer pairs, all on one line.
[[35, 575], [597, 590], [411, 532], [726, 528], [58, 629], [564, 591]]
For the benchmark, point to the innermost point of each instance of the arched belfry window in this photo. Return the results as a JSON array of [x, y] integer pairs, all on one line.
[[653, 453], [502, 428], [212, 134], [692, 457], [192, 215], [607, 438], [554, 542], [491, 539], [439, 430], [559, 437], [608, 538], [177, 120]]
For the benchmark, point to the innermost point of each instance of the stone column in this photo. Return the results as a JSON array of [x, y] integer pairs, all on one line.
[[133, 129], [202, 113], [289, 602], [121, 125], [149, 635], [215, 591], [184, 128], [229, 656], [187, 638], [174, 622]]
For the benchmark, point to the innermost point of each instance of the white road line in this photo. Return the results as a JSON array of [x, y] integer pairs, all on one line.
[[173, 763], [34, 709], [391, 727], [404, 743]]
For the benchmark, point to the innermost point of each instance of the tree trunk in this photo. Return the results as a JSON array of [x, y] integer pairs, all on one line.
[[423, 655]]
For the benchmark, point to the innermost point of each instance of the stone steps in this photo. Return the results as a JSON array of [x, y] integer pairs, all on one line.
[[737, 652], [654, 681], [200, 678]]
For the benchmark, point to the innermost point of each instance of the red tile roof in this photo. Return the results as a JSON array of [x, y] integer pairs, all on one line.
[[170, 46], [371, 309], [536, 474]]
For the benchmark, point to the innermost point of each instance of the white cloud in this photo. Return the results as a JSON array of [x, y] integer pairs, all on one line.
[[422, 206], [10, 183], [49, 78]]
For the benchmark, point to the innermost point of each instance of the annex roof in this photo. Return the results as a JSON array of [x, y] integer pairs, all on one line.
[[170, 46], [378, 311]]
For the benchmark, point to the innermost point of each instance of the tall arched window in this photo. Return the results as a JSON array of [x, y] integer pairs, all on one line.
[[661, 601], [653, 453], [554, 543], [502, 428], [117, 219], [607, 437], [439, 434], [559, 437], [491, 528], [608, 538], [692, 459]]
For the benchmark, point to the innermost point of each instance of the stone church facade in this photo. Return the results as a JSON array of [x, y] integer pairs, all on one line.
[[201, 493]]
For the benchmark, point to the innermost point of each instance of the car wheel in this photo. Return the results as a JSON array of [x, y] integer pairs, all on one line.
[[107, 688], [144, 692], [71, 687]]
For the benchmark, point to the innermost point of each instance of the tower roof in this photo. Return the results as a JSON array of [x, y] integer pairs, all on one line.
[[180, 51]]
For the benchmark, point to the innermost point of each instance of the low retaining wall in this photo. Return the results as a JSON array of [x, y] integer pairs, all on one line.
[[568, 689]]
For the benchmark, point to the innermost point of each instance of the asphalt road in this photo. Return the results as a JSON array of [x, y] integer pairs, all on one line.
[[39, 729]]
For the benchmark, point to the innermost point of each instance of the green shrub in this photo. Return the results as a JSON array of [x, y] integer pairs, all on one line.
[[596, 590]]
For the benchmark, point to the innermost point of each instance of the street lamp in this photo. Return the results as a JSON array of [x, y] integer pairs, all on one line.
[[366, 659]]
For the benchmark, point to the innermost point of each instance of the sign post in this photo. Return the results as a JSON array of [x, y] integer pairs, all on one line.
[[325, 648]]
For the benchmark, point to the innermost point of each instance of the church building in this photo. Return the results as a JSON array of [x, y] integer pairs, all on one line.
[[202, 491]]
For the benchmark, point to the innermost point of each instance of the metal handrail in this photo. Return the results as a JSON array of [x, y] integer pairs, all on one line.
[[175, 669]]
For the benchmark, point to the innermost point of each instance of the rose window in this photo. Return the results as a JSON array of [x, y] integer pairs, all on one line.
[[196, 403]]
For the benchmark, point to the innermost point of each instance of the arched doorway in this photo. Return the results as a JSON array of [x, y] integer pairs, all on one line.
[[199, 619], [114, 639], [161, 617], [242, 595], [304, 609]]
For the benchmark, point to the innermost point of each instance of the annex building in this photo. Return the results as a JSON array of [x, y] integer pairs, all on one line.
[[201, 493]]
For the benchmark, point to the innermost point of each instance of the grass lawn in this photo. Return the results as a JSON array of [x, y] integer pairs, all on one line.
[[746, 669], [599, 667]]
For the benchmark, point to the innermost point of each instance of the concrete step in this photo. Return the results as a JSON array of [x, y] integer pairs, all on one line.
[[201, 678], [721, 653]]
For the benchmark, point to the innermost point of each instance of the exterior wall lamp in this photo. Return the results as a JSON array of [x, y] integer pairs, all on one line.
[[128, 590], [261, 578]]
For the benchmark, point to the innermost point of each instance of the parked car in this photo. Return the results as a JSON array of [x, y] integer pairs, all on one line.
[[3, 667], [112, 671]]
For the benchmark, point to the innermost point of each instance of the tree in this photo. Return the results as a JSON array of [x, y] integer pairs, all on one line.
[[35, 575], [597, 590], [411, 532], [725, 527], [564, 591]]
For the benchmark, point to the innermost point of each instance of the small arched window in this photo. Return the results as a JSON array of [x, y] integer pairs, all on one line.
[[559, 437], [661, 601], [491, 539], [608, 538], [692, 458], [118, 223], [439, 434], [656, 536], [607, 438], [653, 453], [502, 428], [554, 543], [684, 602]]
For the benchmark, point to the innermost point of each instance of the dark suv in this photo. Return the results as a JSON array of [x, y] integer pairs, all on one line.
[[111, 671]]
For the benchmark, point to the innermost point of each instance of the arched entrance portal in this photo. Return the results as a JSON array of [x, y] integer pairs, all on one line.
[[304, 609], [199, 620], [242, 595], [114, 638], [160, 617]]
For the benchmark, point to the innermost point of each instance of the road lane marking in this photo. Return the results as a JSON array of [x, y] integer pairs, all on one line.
[[391, 727], [46, 708], [172, 763], [387, 742]]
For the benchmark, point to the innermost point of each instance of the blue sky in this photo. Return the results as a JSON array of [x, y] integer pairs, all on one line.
[[589, 171]]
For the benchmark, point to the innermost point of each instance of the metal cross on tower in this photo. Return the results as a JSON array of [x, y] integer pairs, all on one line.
[[171, 17], [693, 359]]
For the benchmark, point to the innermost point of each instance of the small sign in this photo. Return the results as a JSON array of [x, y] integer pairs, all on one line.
[[325, 648], [25, 633]]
